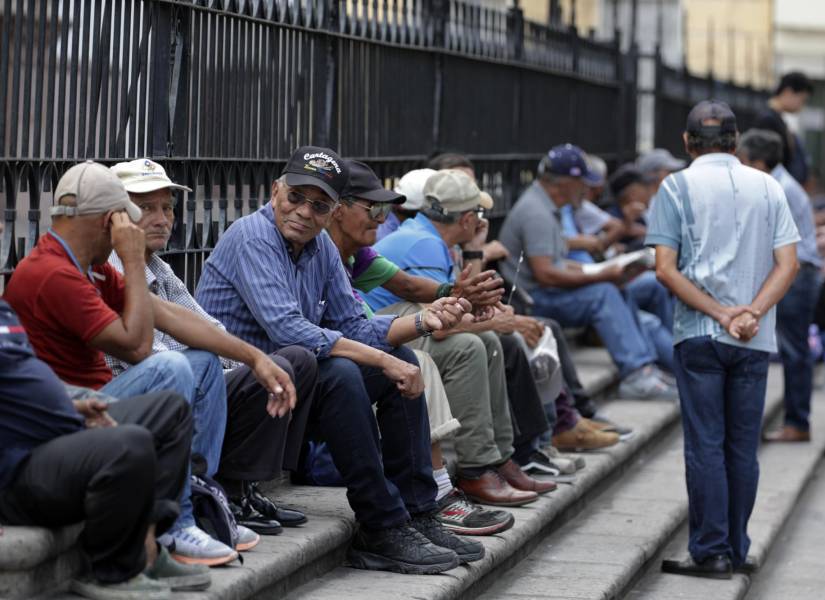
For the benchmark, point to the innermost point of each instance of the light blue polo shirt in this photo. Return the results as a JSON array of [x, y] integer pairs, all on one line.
[[803, 216], [418, 249], [725, 219]]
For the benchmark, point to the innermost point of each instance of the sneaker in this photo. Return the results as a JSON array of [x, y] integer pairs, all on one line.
[[191, 545], [178, 576], [582, 437], [399, 549], [287, 517], [139, 587], [460, 515], [431, 528], [245, 514], [645, 383], [563, 461], [247, 539], [539, 462]]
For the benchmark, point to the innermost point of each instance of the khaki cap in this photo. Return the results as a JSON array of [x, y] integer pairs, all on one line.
[[96, 190], [455, 192], [142, 176]]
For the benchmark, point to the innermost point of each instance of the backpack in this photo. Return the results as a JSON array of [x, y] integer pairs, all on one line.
[[210, 508], [318, 468]]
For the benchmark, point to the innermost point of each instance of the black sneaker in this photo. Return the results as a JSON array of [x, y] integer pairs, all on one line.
[[285, 516], [401, 550], [246, 515], [431, 528], [460, 515]]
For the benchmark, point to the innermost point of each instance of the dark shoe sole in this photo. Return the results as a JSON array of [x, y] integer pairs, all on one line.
[[675, 570], [490, 530], [471, 557], [295, 523], [374, 562], [261, 529]]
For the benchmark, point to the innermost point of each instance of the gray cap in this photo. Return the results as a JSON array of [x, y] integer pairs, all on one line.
[[659, 159], [96, 190]]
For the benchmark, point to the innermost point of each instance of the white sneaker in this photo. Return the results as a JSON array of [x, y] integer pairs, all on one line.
[[570, 463], [247, 539], [191, 545], [645, 383]]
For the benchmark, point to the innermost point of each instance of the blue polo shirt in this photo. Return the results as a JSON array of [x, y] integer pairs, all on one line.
[[417, 248]]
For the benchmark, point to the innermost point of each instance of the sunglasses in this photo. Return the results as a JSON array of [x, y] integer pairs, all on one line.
[[319, 207], [376, 209]]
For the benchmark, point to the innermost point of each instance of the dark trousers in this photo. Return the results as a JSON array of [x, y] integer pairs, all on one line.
[[529, 420], [256, 446], [794, 315], [722, 391], [387, 478], [118, 480]]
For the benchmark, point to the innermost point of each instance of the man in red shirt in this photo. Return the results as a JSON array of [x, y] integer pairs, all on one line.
[[75, 307]]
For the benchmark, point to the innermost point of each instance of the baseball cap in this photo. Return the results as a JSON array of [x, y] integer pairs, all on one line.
[[625, 176], [707, 110], [96, 190], [566, 160], [143, 175], [318, 167], [596, 170], [454, 192], [659, 159], [411, 185], [364, 183]]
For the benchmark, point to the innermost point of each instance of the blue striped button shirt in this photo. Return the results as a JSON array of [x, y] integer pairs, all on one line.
[[251, 284]]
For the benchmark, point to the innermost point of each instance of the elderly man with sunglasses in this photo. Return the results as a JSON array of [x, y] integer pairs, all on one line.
[[276, 279]]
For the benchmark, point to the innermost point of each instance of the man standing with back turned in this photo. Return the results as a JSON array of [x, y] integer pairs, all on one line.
[[710, 224]]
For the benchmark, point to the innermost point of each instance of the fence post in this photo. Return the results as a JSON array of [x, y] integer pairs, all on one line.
[[326, 136], [515, 31], [436, 20], [162, 62]]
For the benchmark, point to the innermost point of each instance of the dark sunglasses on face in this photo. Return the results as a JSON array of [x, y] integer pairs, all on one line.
[[376, 209], [319, 207]]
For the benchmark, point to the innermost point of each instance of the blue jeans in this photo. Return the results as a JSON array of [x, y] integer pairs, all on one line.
[[722, 391], [164, 371], [209, 407], [602, 306], [794, 314], [652, 296], [387, 477], [658, 337]]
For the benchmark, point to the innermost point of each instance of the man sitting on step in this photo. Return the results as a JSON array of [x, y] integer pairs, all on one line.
[[255, 445], [119, 467], [275, 279]]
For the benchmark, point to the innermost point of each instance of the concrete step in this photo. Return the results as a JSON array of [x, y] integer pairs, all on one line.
[[793, 568], [282, 563], [601, 553], [785, 470]]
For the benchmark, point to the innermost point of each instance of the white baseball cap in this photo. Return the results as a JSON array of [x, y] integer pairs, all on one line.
[[411, 185], [96, 190], [142, 176]]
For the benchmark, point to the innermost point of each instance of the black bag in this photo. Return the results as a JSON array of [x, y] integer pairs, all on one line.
[[210, 507]]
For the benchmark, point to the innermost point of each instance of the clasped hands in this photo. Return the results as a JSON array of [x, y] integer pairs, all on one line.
[[741, 322]]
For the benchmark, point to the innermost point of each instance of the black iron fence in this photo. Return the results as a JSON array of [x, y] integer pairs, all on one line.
[[677, 91], [221, 91]]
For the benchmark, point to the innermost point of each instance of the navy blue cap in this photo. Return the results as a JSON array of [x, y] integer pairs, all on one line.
[[565, 160], [317, 167]]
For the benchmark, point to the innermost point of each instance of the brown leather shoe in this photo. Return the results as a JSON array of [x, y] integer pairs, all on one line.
[[583, 437], [787, 433], [491, 488], [513, 474]]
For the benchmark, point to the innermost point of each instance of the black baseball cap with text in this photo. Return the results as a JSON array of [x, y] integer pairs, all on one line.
[[711, 110], [317, 167]]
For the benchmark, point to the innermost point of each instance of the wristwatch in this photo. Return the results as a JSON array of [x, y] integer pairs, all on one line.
[[419, 325], [472, 254]]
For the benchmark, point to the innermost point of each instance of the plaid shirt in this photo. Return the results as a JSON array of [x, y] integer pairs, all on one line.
[[163, 282]]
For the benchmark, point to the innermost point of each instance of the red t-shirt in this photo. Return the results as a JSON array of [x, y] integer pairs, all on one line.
[[61, 310]]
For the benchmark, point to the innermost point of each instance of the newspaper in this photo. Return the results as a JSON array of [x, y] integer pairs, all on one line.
[[645, 257]]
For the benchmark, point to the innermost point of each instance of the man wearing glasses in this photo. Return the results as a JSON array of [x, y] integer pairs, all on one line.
[[276, 279]]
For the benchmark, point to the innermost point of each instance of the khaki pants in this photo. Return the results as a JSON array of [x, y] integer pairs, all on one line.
[[442, 422], [472, 371]]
